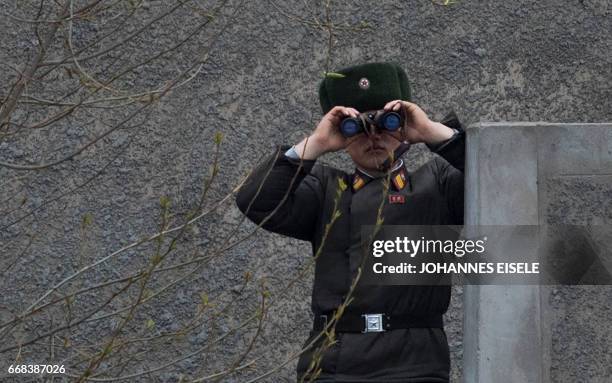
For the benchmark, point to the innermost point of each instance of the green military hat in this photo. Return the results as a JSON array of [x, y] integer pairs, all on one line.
[[364, 87]]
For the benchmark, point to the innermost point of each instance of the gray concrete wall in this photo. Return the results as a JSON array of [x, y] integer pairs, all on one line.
[[515, 173], [487, 60], [502, 336]]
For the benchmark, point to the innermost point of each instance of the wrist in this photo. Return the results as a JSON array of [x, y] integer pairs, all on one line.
[[438, 133], [310, 148]]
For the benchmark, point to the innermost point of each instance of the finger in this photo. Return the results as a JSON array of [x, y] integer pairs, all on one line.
[[343, 112], [397, 106], [390, 104], [354, 112], [340, 114], [346, 111], [409, 106], [337, 111], [350, 112]]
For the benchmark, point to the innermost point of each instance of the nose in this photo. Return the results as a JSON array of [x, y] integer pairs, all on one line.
[[375, 134]]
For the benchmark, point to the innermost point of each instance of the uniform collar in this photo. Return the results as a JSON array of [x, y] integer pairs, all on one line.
[[399, 178]]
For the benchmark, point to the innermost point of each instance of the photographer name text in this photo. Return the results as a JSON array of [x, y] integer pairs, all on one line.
[[457, 249], [456, 268]]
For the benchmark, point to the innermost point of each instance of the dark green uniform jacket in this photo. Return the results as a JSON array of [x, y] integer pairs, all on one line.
[[299, 201]]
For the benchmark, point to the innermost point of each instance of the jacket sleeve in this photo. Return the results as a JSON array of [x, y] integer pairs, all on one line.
[[282, 196], [450, 170]]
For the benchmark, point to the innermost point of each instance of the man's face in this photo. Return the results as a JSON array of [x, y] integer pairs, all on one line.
[[370, 151]]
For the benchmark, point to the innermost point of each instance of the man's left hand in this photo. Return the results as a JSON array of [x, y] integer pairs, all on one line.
[[417, 126]]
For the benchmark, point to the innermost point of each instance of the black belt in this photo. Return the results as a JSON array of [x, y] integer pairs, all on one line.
[[351, 322]]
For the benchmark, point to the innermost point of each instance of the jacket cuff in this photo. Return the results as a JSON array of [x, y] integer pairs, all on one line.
[[453, 149], [283, 159]]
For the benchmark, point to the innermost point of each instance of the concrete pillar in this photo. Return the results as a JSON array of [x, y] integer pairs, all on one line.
[[506, 328]]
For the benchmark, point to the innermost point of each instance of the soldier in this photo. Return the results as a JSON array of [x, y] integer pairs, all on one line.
[[386, 333]]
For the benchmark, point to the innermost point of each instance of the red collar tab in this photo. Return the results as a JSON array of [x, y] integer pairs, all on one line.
[[396, 198]]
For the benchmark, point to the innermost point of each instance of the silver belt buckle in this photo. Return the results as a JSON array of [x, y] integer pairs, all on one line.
[[373, 323]]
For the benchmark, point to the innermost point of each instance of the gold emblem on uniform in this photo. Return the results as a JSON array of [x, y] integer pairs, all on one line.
[[358, 182], [399, 180]]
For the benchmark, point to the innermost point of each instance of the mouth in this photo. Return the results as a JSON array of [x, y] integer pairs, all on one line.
[[376, 148]]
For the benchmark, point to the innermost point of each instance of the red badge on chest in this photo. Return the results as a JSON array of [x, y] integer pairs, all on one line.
[[396, 198]]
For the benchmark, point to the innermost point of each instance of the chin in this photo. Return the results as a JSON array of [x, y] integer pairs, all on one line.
[[378, 161], [374, 164]]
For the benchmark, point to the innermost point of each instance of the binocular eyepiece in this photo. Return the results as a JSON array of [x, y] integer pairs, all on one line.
[[389, 121]]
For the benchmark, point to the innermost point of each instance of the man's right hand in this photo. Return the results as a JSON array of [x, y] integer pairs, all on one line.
[[326, 136]]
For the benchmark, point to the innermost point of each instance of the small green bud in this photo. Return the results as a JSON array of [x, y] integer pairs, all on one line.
[[333, 75], [218, 138], [164, 201], [150, 324], [204, 299], [87, 219], [156, 259]]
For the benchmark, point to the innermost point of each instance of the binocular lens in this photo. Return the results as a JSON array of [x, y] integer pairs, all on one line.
[[391, 121], [350, 127]]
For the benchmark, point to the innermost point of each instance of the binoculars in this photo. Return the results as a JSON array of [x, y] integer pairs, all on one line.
[[389, 121]]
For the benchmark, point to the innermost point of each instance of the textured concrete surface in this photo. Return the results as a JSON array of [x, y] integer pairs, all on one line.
[[489, 61], [502, 328], [522, 174], [576, 189]]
